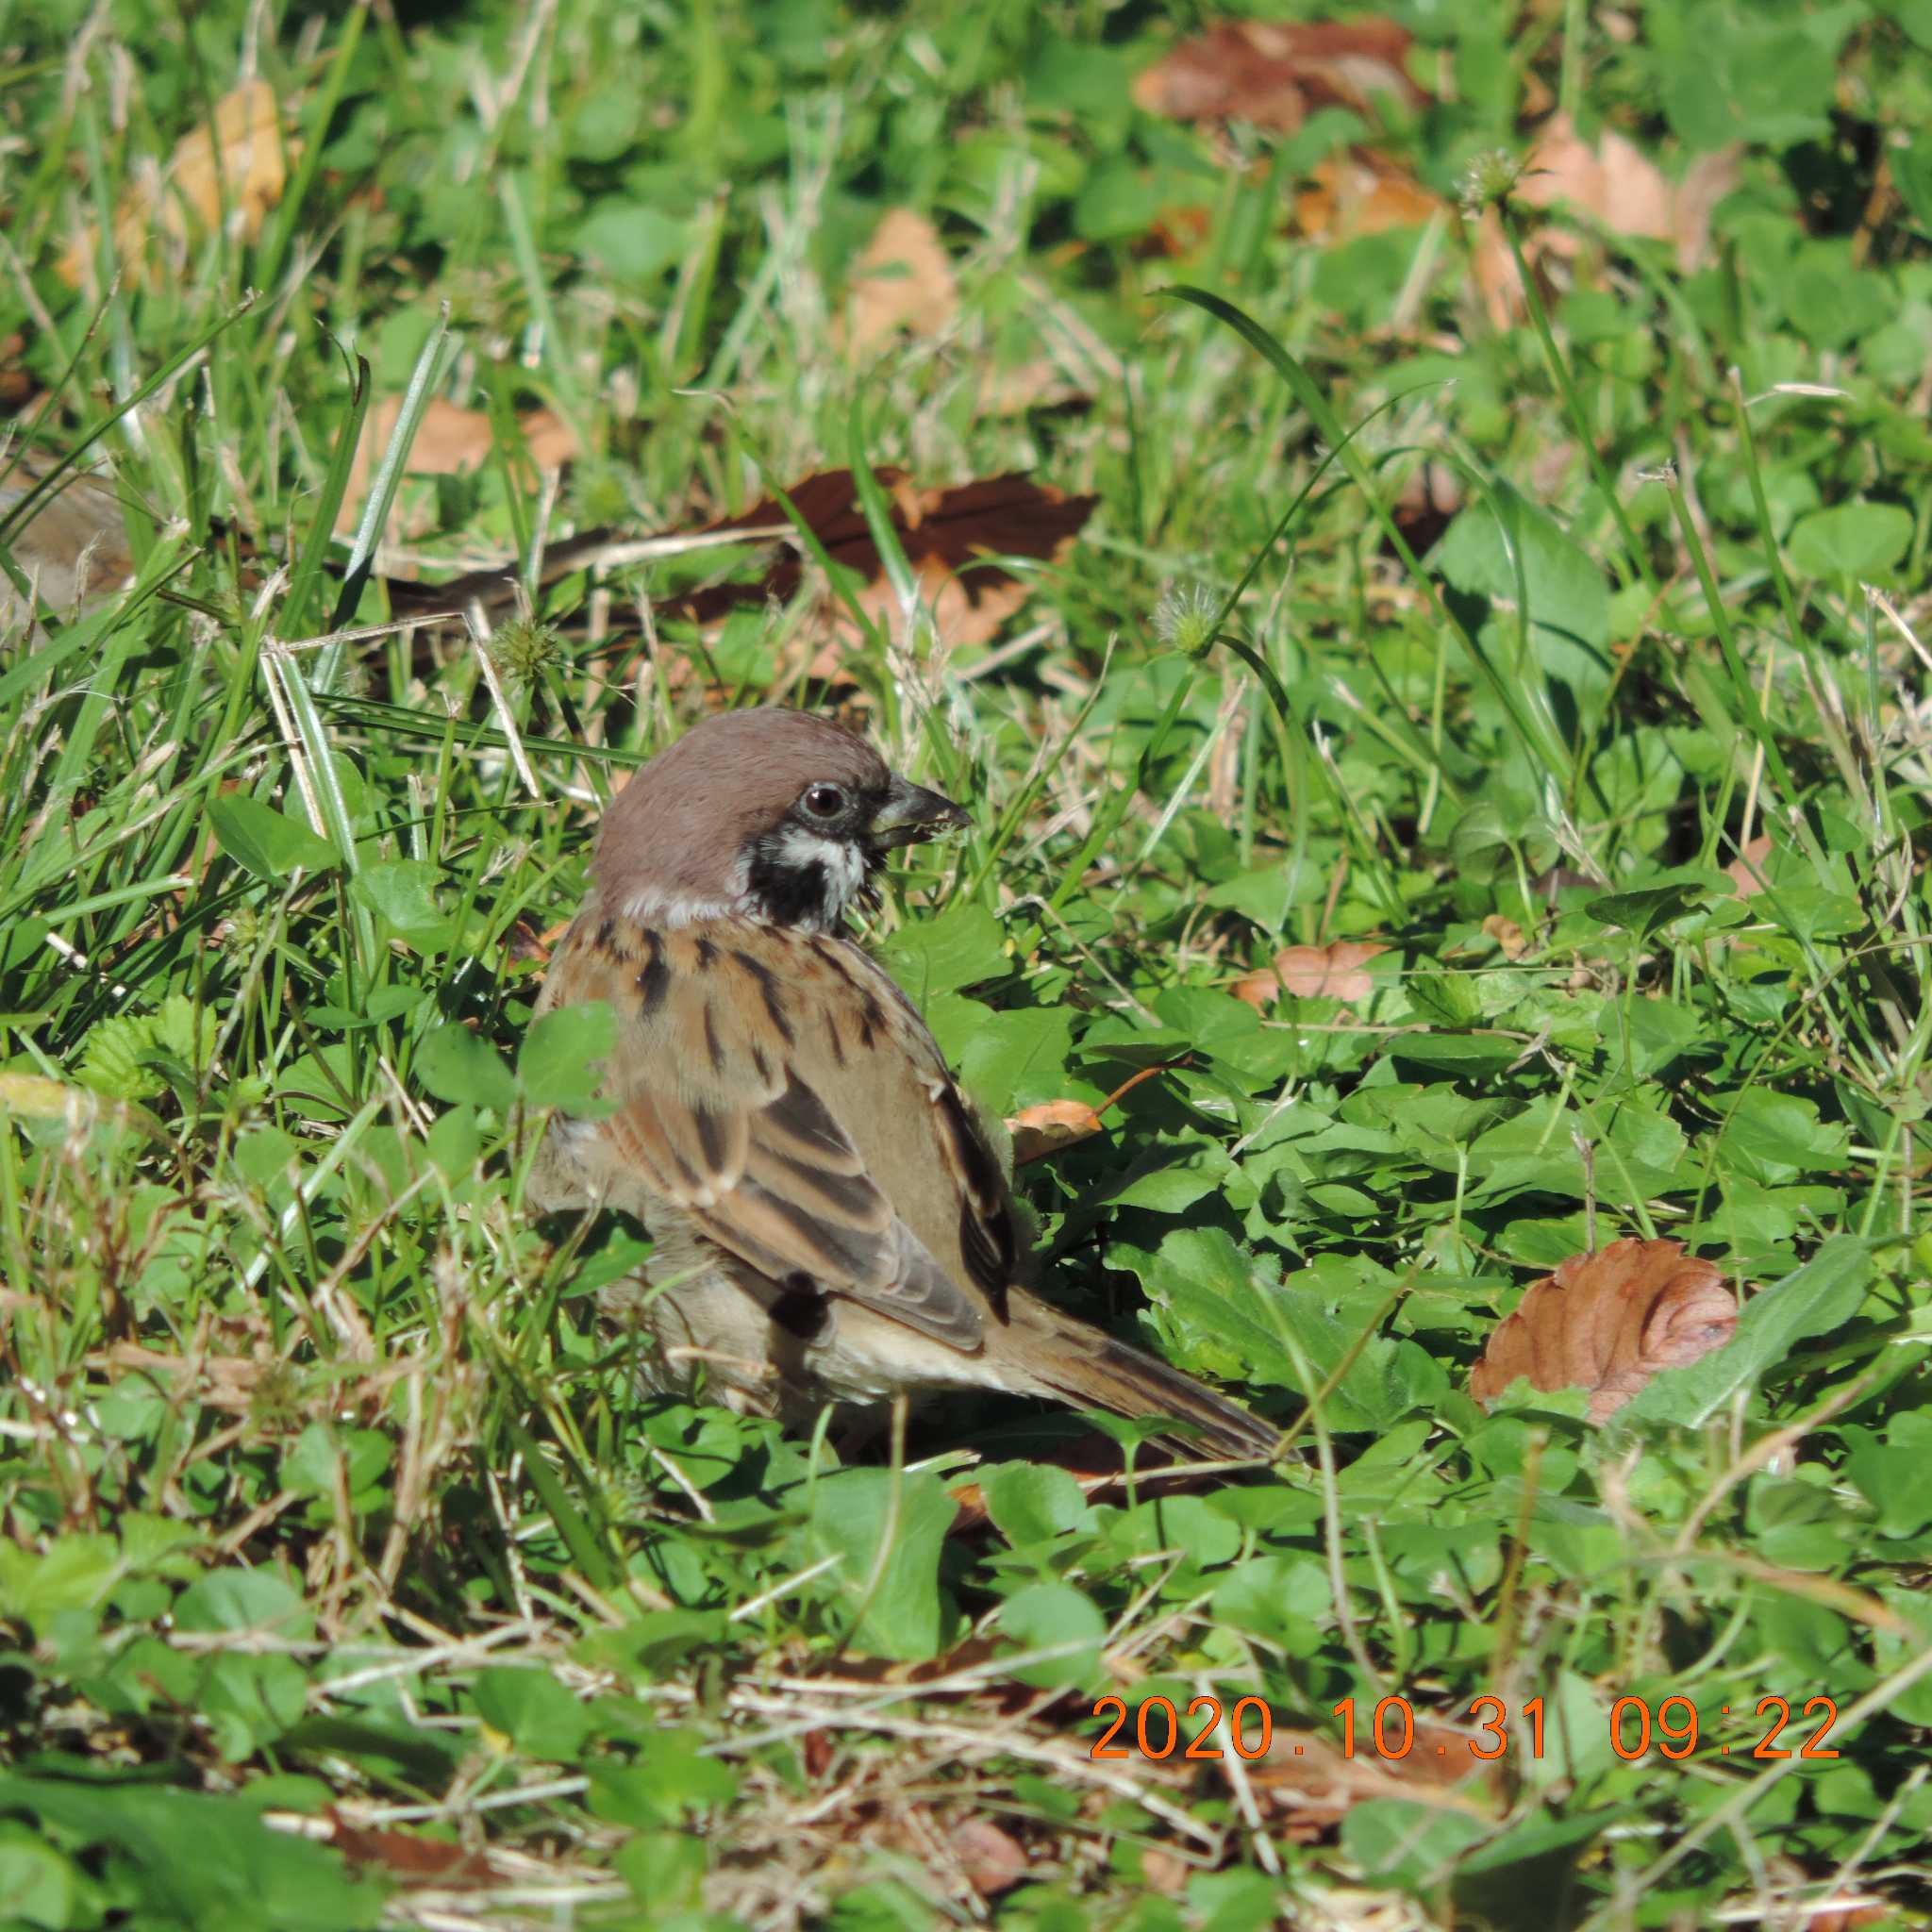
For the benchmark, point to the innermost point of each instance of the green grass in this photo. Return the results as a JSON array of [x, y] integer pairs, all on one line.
[[348, 1575]]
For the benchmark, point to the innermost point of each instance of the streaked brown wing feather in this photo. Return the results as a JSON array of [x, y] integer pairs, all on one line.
[[737, 1105]]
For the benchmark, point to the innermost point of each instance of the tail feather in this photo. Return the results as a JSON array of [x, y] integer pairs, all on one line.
[[1086, 1367]]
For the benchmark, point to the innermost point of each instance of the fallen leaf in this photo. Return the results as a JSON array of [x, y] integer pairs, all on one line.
[[1050, 1127], [992, 1859], [1305, 1779], [1361, 193], [1507, 935], [1747, 871], [1616, 184], [1332, 971], [16, 384], [73, 549], [410, 1858], [903, 281], [1608, 1321], [942, 532], [450, 441], [1162, 1871], [236, 163], [1273, 73]]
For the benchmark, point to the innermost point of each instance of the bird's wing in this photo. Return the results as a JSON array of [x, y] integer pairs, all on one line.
[[749, 1081]]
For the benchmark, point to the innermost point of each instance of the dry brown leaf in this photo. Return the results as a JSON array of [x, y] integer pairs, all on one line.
[[450, 441], [1055, 1123], [992, 1859], [1616, 184], [1275, 72], [1049, 1126], [1162, 1871], [74, 548], [1507, 935], [243, 153], [942, 532], [1361, 193], [410, 1860], [1747, 872], [1332, 971], [1608, 1321], [1308, 1782], [17, 387], [220, 1381], [904, 280]]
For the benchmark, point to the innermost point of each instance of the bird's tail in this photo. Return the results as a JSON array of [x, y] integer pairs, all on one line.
[[1070, 1361]]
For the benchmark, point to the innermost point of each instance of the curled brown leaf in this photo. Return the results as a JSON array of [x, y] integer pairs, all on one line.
[[1335, 971], [1608, 1321]]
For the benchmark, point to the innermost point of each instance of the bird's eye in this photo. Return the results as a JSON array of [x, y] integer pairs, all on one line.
[[825, 801]]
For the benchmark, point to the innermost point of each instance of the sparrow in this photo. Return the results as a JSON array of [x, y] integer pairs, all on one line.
[[829, 1220]]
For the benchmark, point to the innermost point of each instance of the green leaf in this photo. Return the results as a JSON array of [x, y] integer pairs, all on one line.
[[1032, 1502], [963, 946], [534, 1711], [1738, 73], [1397, 1841], [1044, 1617], [37, 1884], [1011, 1059], [671, 1779], [632, 242], [457, 1066], [1891, 1474], [252, 1600], [1567, 601], [267, 842], [1646, 909], [1773, 1138], [897, 1604], [200, 1862], [1850, 539], [560, 1062], [401, 892]]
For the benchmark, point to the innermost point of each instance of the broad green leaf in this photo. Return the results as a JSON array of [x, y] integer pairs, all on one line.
[[267, 843], [560, 1062], [1044, 1617], [534, 1711], [455, 1065], [1850, 539], [1568, 602], [898, 1602], [199, 1861], [961, 947]]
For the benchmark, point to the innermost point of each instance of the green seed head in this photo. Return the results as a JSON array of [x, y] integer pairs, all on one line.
[[523, 649], [1185, 618], [1489, 179]]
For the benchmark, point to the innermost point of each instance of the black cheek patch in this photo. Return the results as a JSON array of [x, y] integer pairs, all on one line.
[[784, 893]]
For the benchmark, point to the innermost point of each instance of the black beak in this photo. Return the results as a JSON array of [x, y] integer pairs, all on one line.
[[911, 812]]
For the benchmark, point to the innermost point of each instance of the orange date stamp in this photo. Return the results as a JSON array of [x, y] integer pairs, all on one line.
[[1156, 1727]]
